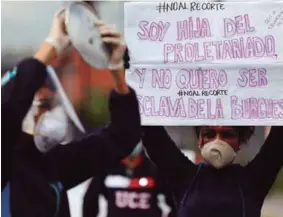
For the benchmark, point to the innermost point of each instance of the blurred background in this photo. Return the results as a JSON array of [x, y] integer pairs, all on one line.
[[25, 24]]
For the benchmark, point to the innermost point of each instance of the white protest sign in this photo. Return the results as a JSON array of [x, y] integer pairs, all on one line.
[[195, 63]]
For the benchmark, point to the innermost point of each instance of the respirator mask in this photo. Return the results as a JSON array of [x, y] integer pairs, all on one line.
[[218, 153], [52, 129]]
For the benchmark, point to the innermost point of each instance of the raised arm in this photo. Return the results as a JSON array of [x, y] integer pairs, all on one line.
[[261, 172], [78, 161], [17, 95], [19, 87], [170, 161]]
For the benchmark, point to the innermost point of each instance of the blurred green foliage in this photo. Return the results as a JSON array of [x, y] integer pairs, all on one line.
[[94, 110]]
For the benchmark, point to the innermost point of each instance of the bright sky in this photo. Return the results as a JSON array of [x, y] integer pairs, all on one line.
[[26, 23]]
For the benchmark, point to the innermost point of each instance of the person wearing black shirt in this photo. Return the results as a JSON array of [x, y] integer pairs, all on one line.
[[131, 188], [217, 187], [40, 171]]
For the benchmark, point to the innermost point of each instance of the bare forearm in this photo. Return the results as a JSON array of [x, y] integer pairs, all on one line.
[[46, 53]]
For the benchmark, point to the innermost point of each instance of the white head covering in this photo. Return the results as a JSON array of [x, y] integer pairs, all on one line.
[[54, 127]]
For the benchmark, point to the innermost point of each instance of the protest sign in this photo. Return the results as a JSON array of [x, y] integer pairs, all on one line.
[[195, 63]]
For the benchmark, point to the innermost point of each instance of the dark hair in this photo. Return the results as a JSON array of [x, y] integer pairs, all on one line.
[[244, 132]]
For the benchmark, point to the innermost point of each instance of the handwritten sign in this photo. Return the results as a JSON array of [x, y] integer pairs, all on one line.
[[195, 63]]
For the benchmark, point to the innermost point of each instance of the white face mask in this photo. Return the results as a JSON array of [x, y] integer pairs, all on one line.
[[218, 153], [52, 129]]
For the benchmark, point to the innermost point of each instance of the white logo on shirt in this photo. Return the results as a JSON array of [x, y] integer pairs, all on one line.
[[132, 200]]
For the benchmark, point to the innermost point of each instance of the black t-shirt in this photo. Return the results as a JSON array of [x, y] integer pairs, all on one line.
[[38, 181], [34, 191], [128, 192], [202, 190]]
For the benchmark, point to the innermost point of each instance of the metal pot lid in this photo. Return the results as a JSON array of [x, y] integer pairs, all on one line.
[[83, 33]]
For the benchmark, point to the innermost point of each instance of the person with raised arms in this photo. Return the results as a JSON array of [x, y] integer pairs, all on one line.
[[217, 187], [40, 170]]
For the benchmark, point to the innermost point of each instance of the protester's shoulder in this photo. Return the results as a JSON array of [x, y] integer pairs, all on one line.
[[31, 69], [26, 144]]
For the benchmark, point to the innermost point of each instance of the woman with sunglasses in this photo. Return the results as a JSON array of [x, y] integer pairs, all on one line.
[[217, 187], [41, 168]]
